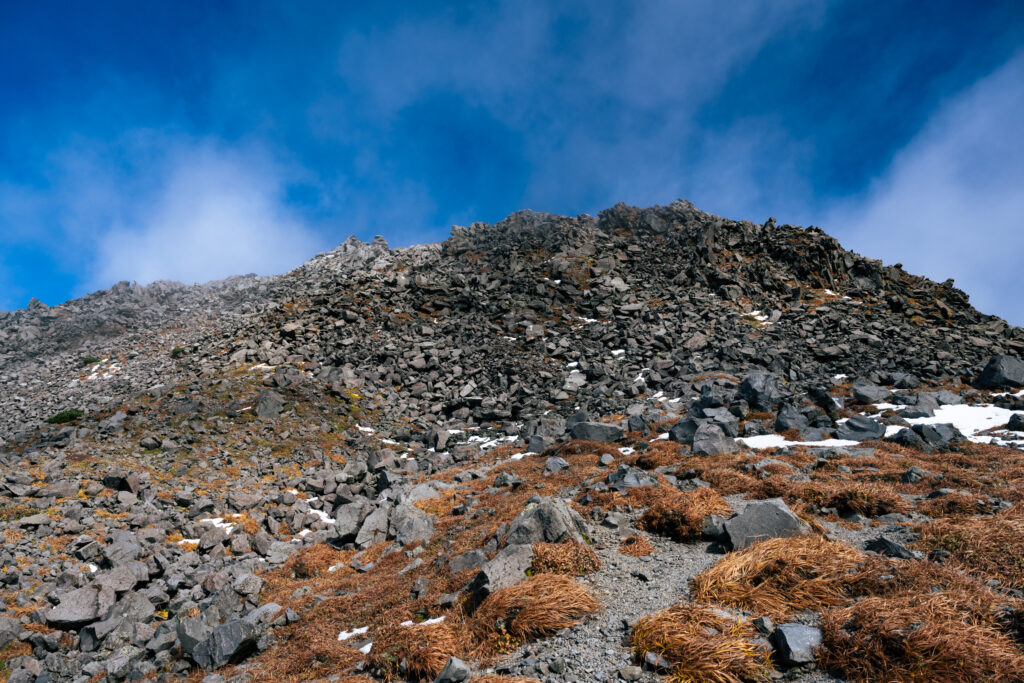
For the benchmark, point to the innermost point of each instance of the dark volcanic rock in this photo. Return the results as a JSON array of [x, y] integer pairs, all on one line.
[[1002, 372]]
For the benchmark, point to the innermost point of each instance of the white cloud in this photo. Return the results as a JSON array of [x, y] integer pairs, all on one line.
[[215, 212], [951, 203]]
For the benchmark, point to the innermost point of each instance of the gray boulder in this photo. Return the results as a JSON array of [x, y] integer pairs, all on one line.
[[269, 404], [795, 644], [455, 671], [1001, 372], [709, 439], [228, 642], [375, 527], [1016, 423], [760, 390], [860, 428], [761, 520], [81, 606], [410, 524], [549, 521], [868, 393], [506, 569], [683, 431], [595, 431], [790, 417]]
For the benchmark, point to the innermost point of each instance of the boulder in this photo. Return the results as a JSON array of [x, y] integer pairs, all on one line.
[[411, 525], [760, 391], [595, 431], [761, 520], [795, 644], [867, 393], [549, 521], [269, 404], [455, 671], [228, 642], [860, 428], [709, 439], [506, 569], [374, 528], [683, 431], [81, 606], [1001, 372]]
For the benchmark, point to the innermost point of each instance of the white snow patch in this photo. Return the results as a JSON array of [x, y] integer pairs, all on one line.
[[365, 649], [779, 441], [92, 568], [888, 406], [218, 522], [324, 517], [368, 430], [838, 377], [618, 352], [345, 635], [661, 437], [626, 450], [428, 622], [334, 568], [970, 420]]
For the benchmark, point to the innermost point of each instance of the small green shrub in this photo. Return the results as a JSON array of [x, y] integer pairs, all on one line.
[[64, 416], [89, 360], [177, 352]]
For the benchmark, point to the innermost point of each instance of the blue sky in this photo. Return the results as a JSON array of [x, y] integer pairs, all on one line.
[[190, 141]]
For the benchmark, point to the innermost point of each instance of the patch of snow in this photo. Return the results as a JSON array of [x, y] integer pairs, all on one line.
[[92, 568], [218, 522], [345, 635], [324, 517], [838, 377], [661, 437], [889, 406], [334, 568], [618, 352], [365, 649], [368, 430], [428, 622], [626, 450], [188, 540], [970, 420], [779, 441]]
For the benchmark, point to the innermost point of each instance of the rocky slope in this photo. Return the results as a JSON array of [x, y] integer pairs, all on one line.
[[235, 475]]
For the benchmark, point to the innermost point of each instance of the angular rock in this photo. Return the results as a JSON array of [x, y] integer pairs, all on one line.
[[506, 569], [1001, 372], [709, 439], [81, 606], [860, 428], [796, 644], [455, 671], [595, 431], [411, 525], [761, 520], [549, 521]]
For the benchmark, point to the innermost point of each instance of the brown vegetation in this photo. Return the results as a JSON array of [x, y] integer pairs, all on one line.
[[702, 644], [636, 546], [569, 558], [681, 515]]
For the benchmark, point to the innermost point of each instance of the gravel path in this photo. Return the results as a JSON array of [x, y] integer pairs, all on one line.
[[629, 587]]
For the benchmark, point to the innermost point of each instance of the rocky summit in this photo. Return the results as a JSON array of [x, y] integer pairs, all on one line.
[[652, 443]]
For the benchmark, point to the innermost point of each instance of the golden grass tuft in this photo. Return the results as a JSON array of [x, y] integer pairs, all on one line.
[[570, 558], [417, 652], [311, 653], [315, 560], [703, 644], [918, 637], [781, 576], [538, 607], [680, 515], [636, 546], [988, 547]]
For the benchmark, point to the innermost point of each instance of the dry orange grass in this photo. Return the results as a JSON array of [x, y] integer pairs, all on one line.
[[313, 653], [315, 560], [680, 515], [952, 504], [636, 546], [417, 652], [918, 637], [569, 558], [989, 547], [702, 644], [781, 576], [538, 607]]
